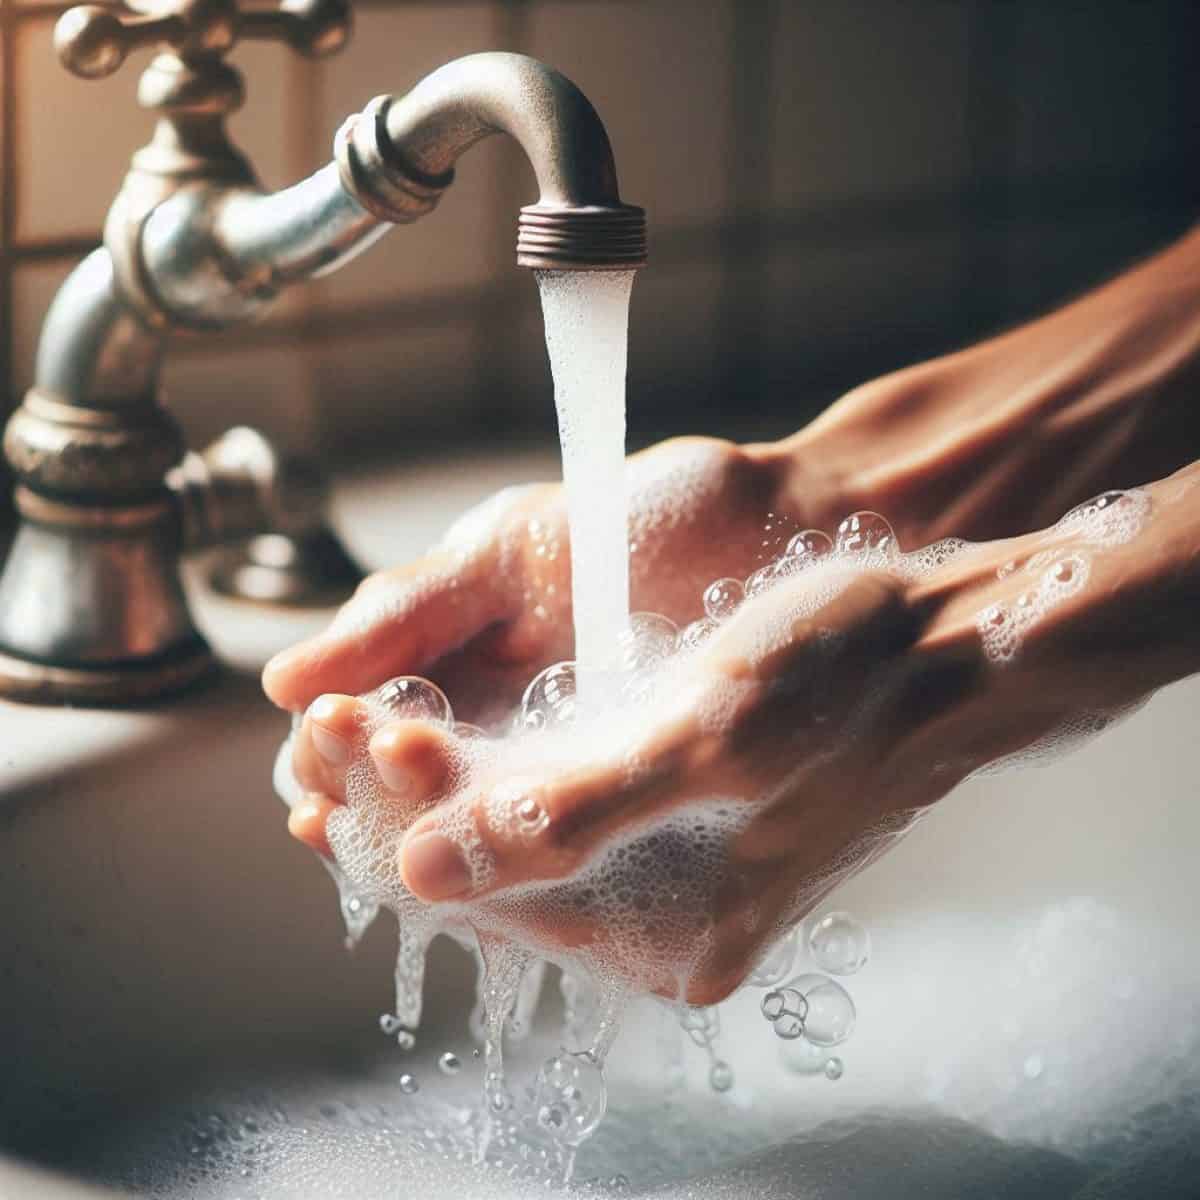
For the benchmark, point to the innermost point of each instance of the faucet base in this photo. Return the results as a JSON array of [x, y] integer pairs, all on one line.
[[30, 682]]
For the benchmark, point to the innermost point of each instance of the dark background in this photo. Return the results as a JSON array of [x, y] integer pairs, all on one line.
[[836, 188]]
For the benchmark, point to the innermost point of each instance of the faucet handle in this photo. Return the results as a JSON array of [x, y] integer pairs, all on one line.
[[93, 42]]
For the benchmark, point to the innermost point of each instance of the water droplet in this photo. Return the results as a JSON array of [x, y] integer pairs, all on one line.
[[550, 697], [810, 543], [414, 698], [1063, 571], [1033, 1067], [996, 615], [449, 1063], [835, 1068], [389, 1024], [720, 1076], [839, 944], [723, 597], [409, 1084], [619, 1183], [405, 1040], [572, 1084], [866, 533], [831, 1013], [701, 1024]]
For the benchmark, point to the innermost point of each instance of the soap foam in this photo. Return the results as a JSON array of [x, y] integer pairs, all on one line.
[[639, 904]]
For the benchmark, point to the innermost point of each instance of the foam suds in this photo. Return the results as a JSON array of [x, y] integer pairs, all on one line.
[[642, 899]]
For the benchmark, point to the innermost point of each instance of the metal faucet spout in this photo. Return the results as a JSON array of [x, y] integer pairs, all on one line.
[[399, 155], [91, 603]]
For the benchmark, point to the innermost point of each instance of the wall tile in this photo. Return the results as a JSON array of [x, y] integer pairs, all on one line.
[[468, 238], [869, 96], [838, 315], [659, 75], [74, 138], [1101, 94], [386, 391], [269, 388]]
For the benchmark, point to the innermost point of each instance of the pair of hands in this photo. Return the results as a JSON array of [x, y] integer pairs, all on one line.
[[964, 445]]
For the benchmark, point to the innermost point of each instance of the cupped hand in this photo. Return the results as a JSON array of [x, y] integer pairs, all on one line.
[[490, 605], [848, 700]]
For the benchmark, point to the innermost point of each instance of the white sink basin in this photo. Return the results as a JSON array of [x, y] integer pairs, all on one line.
[[158, 923]]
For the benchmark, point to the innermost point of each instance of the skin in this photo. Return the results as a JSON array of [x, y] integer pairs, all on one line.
[[988, 443]]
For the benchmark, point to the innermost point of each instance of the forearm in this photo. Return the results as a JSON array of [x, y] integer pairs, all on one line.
[[1007, 435]]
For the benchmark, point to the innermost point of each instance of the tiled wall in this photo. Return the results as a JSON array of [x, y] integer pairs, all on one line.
[[835, 187]]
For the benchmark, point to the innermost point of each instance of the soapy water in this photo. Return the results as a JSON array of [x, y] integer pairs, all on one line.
[[644, 896]]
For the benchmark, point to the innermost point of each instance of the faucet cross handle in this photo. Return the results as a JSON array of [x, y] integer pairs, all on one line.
[[93, 42]]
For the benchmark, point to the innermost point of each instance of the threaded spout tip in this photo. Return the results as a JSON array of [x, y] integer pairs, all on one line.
[[592, 238]]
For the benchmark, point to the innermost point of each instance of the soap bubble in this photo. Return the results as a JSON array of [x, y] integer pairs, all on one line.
[[570, 1094], [831, 1013], [801, 1057], [810, 544], [409, 1084], [405, 1039], [697, 633], [762, 579], [775, 964], [720, 1076], [834, 1068], [449, 1063], [723, 598], [649, 640], [550, 697], [839, 944], [413, 698], [788, 1026], [389, 1024], [866, 533]]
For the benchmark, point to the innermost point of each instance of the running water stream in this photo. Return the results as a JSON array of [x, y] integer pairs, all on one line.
[[587, 320]]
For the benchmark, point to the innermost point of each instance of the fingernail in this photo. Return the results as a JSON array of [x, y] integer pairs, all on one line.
[[396, 779], [434, 867], [332, 747]]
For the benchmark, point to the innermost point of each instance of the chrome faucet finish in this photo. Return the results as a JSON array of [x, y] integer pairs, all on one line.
[[91, 606]]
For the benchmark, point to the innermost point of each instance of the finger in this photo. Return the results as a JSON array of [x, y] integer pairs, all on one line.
[[543, 827], [307, 821], [397, 623], [330, 736], [415, 761]]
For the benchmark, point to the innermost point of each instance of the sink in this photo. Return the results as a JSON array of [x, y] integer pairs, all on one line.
[[1034, 936]]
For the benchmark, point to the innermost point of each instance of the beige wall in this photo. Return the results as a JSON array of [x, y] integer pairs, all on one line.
[[835, 187]]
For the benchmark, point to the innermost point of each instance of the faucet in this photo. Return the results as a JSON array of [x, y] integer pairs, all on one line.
[[92, 609]]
